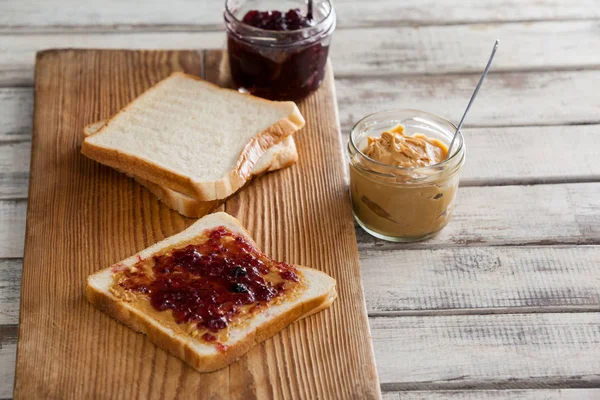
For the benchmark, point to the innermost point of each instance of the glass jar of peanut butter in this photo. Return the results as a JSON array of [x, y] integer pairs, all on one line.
[[402, 181]]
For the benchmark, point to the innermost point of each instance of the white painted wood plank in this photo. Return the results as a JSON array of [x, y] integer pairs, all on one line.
[[515, 215], [523, 394], [543, 98], [394, 12], [465, 48], [16, 114], [509, 350], [14, 169], [481, 279], [531, 154], [16, 67], [359, 52], [207, 14], [8, 357], [542, 214], [12, 228], [110, 14], [10, 291]]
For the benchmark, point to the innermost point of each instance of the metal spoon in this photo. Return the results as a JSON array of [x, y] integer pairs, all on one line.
[[485, 71]]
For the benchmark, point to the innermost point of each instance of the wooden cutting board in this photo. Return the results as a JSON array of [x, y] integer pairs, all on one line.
[[83, 217]]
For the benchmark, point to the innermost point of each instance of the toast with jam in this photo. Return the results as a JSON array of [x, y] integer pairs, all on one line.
[[278, 156], [208, 294], [193, 137]]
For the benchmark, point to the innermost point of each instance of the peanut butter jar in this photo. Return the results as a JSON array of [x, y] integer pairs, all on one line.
[[409, 195]]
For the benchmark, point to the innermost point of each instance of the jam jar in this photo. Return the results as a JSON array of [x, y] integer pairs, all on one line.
[[404, 204], [276, 50]]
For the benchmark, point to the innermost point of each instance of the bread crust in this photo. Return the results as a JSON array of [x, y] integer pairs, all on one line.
[[179, 345], [183, 204], [204, 191], [190, 207]]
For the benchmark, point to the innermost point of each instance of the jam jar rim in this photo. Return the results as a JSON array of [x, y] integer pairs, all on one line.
[[322, 28], [442, 166]]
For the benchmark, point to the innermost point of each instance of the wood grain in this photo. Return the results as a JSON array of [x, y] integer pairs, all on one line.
[[111, 217], [524, 394], [482, 280], [433, 12], [413, 50], [31, 15], [8, 351], [504, 156], [16, 113], [505, 99], [442, 50], [510, 351], [10, 289], [14, 169], [12, 229], [401, 44]]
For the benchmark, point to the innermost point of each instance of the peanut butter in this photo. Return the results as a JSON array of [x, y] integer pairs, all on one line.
[[408, 203], [396, 149]]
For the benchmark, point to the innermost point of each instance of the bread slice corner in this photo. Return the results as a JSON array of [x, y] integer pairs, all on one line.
[[192, 136], [319, 294]]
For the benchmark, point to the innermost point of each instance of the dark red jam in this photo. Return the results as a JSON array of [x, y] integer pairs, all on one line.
[[209, 283], [289, 67], [276, 20]]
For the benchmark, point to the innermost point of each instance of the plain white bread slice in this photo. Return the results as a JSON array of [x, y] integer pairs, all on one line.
[[192, 136], [319, 294], [280, 155]]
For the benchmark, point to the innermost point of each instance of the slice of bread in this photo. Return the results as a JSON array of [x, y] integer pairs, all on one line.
[[192, 136], [280, 155], [317, 294]]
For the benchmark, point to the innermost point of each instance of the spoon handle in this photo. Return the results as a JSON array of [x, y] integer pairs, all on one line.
[[485, 71], [309, 13]]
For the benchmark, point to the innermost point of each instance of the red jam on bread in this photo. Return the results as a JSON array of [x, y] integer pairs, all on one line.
[[210, 284]]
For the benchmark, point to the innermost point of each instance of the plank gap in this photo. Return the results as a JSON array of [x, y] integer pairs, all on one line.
[[8, 334], [17, 199], [576, 382], [488, 311], [459, 73], [381, 245], [476, 394], [532, 181]]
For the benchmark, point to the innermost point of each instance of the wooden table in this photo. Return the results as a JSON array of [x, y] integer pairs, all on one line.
[[505, 302]]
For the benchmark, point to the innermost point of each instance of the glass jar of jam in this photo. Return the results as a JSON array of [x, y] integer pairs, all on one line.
[[276, 50], [402, 181]]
